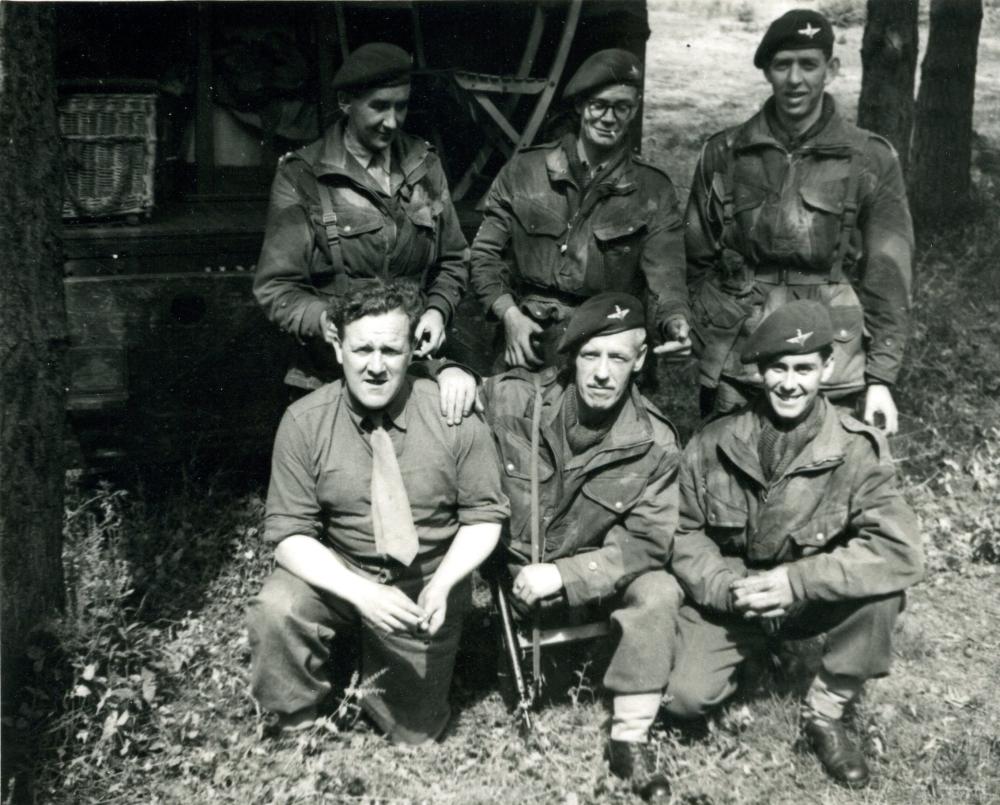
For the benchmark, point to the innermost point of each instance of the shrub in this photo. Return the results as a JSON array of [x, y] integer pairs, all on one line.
[[844, 13]]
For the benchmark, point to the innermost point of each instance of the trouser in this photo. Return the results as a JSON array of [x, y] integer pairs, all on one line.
[[644, 623], [292, 630], [711, 647], [732, 394]]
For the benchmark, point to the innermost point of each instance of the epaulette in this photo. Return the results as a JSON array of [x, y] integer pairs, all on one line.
[[654, 411], [880, 139], [640, 160], [874, 435]]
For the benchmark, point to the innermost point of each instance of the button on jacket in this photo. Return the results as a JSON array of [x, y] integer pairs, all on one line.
[[608, 514], [544, 234], [412, 232], [788, 206], [834, 517]]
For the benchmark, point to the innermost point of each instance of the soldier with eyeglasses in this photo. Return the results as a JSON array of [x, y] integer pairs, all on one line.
[[583, 215]]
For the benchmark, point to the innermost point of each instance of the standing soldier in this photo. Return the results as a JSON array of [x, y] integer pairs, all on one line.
[[570, 219], [366, 201], [794, 204], [791, 525]]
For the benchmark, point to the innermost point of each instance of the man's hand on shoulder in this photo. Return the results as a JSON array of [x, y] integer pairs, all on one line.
[[765, 595], [880, 409], [676, 337], [536, 582], [429, 335], [459, 394], [519, 330]]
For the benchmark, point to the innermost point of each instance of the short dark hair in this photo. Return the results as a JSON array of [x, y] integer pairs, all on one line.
[[375, 297]]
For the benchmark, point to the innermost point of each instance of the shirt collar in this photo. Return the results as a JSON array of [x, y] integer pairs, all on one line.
[[393, 415]]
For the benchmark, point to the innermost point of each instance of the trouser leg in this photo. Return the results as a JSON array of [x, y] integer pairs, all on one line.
[[858, 633], [291, 628], [646, 623], [710, 650]]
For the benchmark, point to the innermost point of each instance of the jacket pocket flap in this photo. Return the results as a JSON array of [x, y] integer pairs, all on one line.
[[820, 530], [723, 514], [848, 322], [515, 454], [538, 219], [352, 223], [825, 199], [617, 493], [617, 229], [747, 196], [718, 307]]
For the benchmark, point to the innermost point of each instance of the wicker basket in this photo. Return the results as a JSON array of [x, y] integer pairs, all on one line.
[[110, 146]]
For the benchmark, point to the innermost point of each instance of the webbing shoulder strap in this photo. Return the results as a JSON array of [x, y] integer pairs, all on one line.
[[330, 225], [849, 219]]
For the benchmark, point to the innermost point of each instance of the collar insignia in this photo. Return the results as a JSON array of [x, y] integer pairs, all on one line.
[[621, 313], [808, 32], [799, 338]]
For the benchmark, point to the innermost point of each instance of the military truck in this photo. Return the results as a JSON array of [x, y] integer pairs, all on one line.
[[173, 117]]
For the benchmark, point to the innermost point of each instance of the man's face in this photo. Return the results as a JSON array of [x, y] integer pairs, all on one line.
[[605, 117], [605, 365], [375, 352], [791, 383], [798, 78], [377, 115]]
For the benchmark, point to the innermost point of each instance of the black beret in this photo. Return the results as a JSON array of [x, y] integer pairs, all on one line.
[[798, 328], [375, 64], [605, 67], [798, 29], [604, 314]]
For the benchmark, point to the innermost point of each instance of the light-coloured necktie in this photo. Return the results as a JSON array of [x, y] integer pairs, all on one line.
[[392, 519], [378, 168]]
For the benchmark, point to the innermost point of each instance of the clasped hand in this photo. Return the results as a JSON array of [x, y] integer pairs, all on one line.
[[765, 595], [390, 611]]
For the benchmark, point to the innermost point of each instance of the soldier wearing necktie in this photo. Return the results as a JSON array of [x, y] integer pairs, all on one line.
[[379, 511]]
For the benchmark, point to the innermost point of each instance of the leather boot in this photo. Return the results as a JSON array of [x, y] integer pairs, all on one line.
[[840, 758], [637, 762]]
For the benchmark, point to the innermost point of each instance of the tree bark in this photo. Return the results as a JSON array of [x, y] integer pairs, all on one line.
[[32, 333], [941, 154], [889, 67]]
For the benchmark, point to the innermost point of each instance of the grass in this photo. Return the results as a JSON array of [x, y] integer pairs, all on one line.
[[141, 692]]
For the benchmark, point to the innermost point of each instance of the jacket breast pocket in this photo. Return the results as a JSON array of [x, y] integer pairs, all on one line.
[[823, 204], [615, 493], [848, 347], [819, 532], [515, 459], [537, 220], [726, 522], [619, 244], [354, 228]]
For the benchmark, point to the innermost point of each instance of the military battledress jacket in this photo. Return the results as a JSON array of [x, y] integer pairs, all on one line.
[[765, 225], [835, 517], [608, 514], [543, 241], [412, 233]]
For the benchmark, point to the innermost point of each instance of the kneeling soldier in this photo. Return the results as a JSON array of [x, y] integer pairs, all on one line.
[[791, 524], [607, 469], [380, 512]]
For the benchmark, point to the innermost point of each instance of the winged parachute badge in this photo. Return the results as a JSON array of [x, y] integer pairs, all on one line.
[[619, 313], [808, 32], [799, 338]]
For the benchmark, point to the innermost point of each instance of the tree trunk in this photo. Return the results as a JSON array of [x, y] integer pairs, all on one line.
[[32, 334], [942, 136], [889, 66]]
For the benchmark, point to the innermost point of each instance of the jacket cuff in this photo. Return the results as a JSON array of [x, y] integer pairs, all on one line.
[[442, 305], [582, 582], [311, 326], [873, 379], [499, 306], [796, 580]]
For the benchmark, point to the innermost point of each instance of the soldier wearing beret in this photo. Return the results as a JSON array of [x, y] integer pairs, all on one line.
[[569, 219], [797, 203], [607, 466], [366, 201], [791, 524]]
